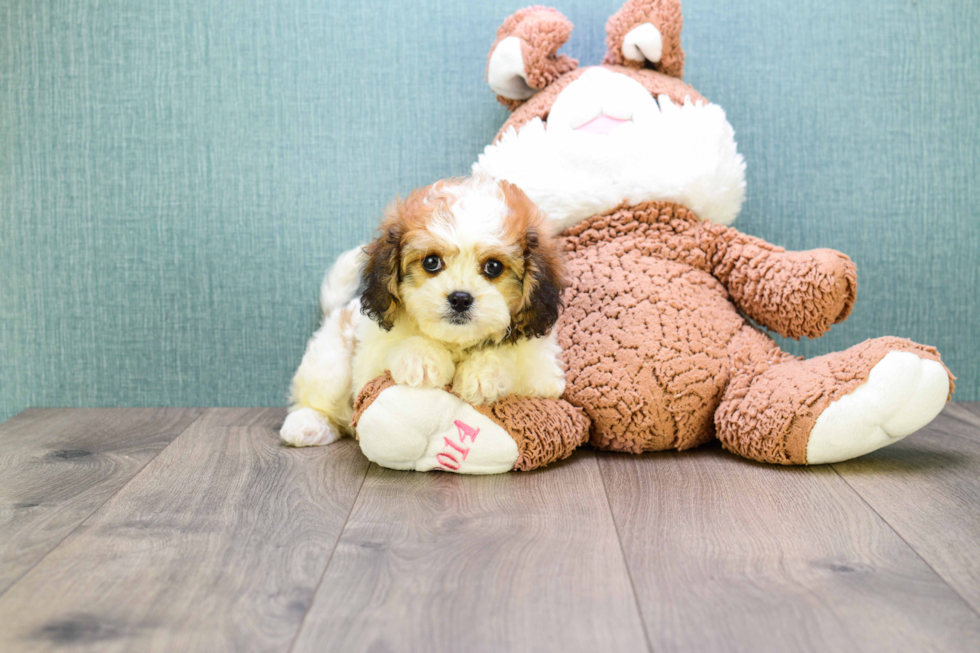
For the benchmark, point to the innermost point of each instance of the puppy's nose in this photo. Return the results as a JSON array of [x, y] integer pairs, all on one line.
[[460, 301]]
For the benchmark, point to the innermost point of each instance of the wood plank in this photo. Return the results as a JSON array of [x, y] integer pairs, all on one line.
[[517, 562], [57, 466], [730, 555], [217, 545], [927, 487]]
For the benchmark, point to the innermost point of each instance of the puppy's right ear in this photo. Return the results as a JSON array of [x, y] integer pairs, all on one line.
[[382, 271]]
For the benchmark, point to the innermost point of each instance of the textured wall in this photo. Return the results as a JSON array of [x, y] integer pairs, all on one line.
[[175, 176]]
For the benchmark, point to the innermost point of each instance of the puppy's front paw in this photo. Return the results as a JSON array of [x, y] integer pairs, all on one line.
[[483, 380], [420, 364], [550, 389]]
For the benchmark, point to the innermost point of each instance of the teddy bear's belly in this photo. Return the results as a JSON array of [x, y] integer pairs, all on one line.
[[645, 342]]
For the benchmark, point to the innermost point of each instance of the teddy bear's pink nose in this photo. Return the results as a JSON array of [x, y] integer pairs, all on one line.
[[600, 125]]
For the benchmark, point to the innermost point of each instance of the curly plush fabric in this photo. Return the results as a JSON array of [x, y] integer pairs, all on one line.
[[545, 430], [666, 16], [541, 31], [653, 309], [366, 397]]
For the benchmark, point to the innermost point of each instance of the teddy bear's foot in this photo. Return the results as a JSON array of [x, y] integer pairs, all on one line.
[[306, 427], [903, 393], [780, 409], [423, 429]]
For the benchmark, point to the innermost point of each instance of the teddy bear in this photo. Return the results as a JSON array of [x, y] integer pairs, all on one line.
[[662, 331]]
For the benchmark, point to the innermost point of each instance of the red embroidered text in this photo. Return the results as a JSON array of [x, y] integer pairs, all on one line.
[[454, 453]]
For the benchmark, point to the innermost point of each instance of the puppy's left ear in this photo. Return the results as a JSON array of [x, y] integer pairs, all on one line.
[[544, 272], [380, 276], [544, 283]]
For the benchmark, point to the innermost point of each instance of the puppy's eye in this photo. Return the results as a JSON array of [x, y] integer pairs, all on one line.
[[432, 263], [493, 268]]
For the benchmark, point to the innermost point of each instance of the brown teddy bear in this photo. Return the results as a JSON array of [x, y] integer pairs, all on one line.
[[641, 174]]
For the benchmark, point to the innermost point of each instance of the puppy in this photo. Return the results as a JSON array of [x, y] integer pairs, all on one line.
[[462, 287]]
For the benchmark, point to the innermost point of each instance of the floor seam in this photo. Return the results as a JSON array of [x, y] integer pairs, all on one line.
[[906, 542], [340, 535], [622, 553], [101, 505]]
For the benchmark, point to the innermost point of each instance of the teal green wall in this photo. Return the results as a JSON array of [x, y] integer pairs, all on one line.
[[176, 176]]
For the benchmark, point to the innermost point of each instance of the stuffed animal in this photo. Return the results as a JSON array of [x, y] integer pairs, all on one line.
[[641, 175]]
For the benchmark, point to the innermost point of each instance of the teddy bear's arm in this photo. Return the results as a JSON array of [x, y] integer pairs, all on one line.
[[792, 293]]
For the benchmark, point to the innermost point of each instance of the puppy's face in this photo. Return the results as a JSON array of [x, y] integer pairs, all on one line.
[[469, 261]]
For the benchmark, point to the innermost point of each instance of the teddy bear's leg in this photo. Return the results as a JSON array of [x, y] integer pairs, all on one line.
[[780, 409], [424, 429]]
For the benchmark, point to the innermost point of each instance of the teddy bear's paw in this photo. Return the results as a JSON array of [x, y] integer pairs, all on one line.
[[903, 393], [305, 427], [428, 429], [643, 43], [420, 364], [482, 380]]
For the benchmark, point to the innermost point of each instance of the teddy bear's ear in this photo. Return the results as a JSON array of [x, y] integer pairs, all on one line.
[[523, 59], [647, 33]]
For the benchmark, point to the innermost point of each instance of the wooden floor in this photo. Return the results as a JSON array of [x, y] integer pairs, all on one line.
[[194, 530]]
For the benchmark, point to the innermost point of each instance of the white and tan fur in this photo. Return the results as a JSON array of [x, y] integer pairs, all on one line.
[[404, 322]]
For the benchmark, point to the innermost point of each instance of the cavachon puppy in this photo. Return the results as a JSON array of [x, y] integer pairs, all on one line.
[[462, 287]]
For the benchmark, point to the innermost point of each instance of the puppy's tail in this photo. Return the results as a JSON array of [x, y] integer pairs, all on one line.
[[341, 281]]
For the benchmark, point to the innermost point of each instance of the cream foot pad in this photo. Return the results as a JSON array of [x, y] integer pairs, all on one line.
[[426, 429], [903, 393]]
